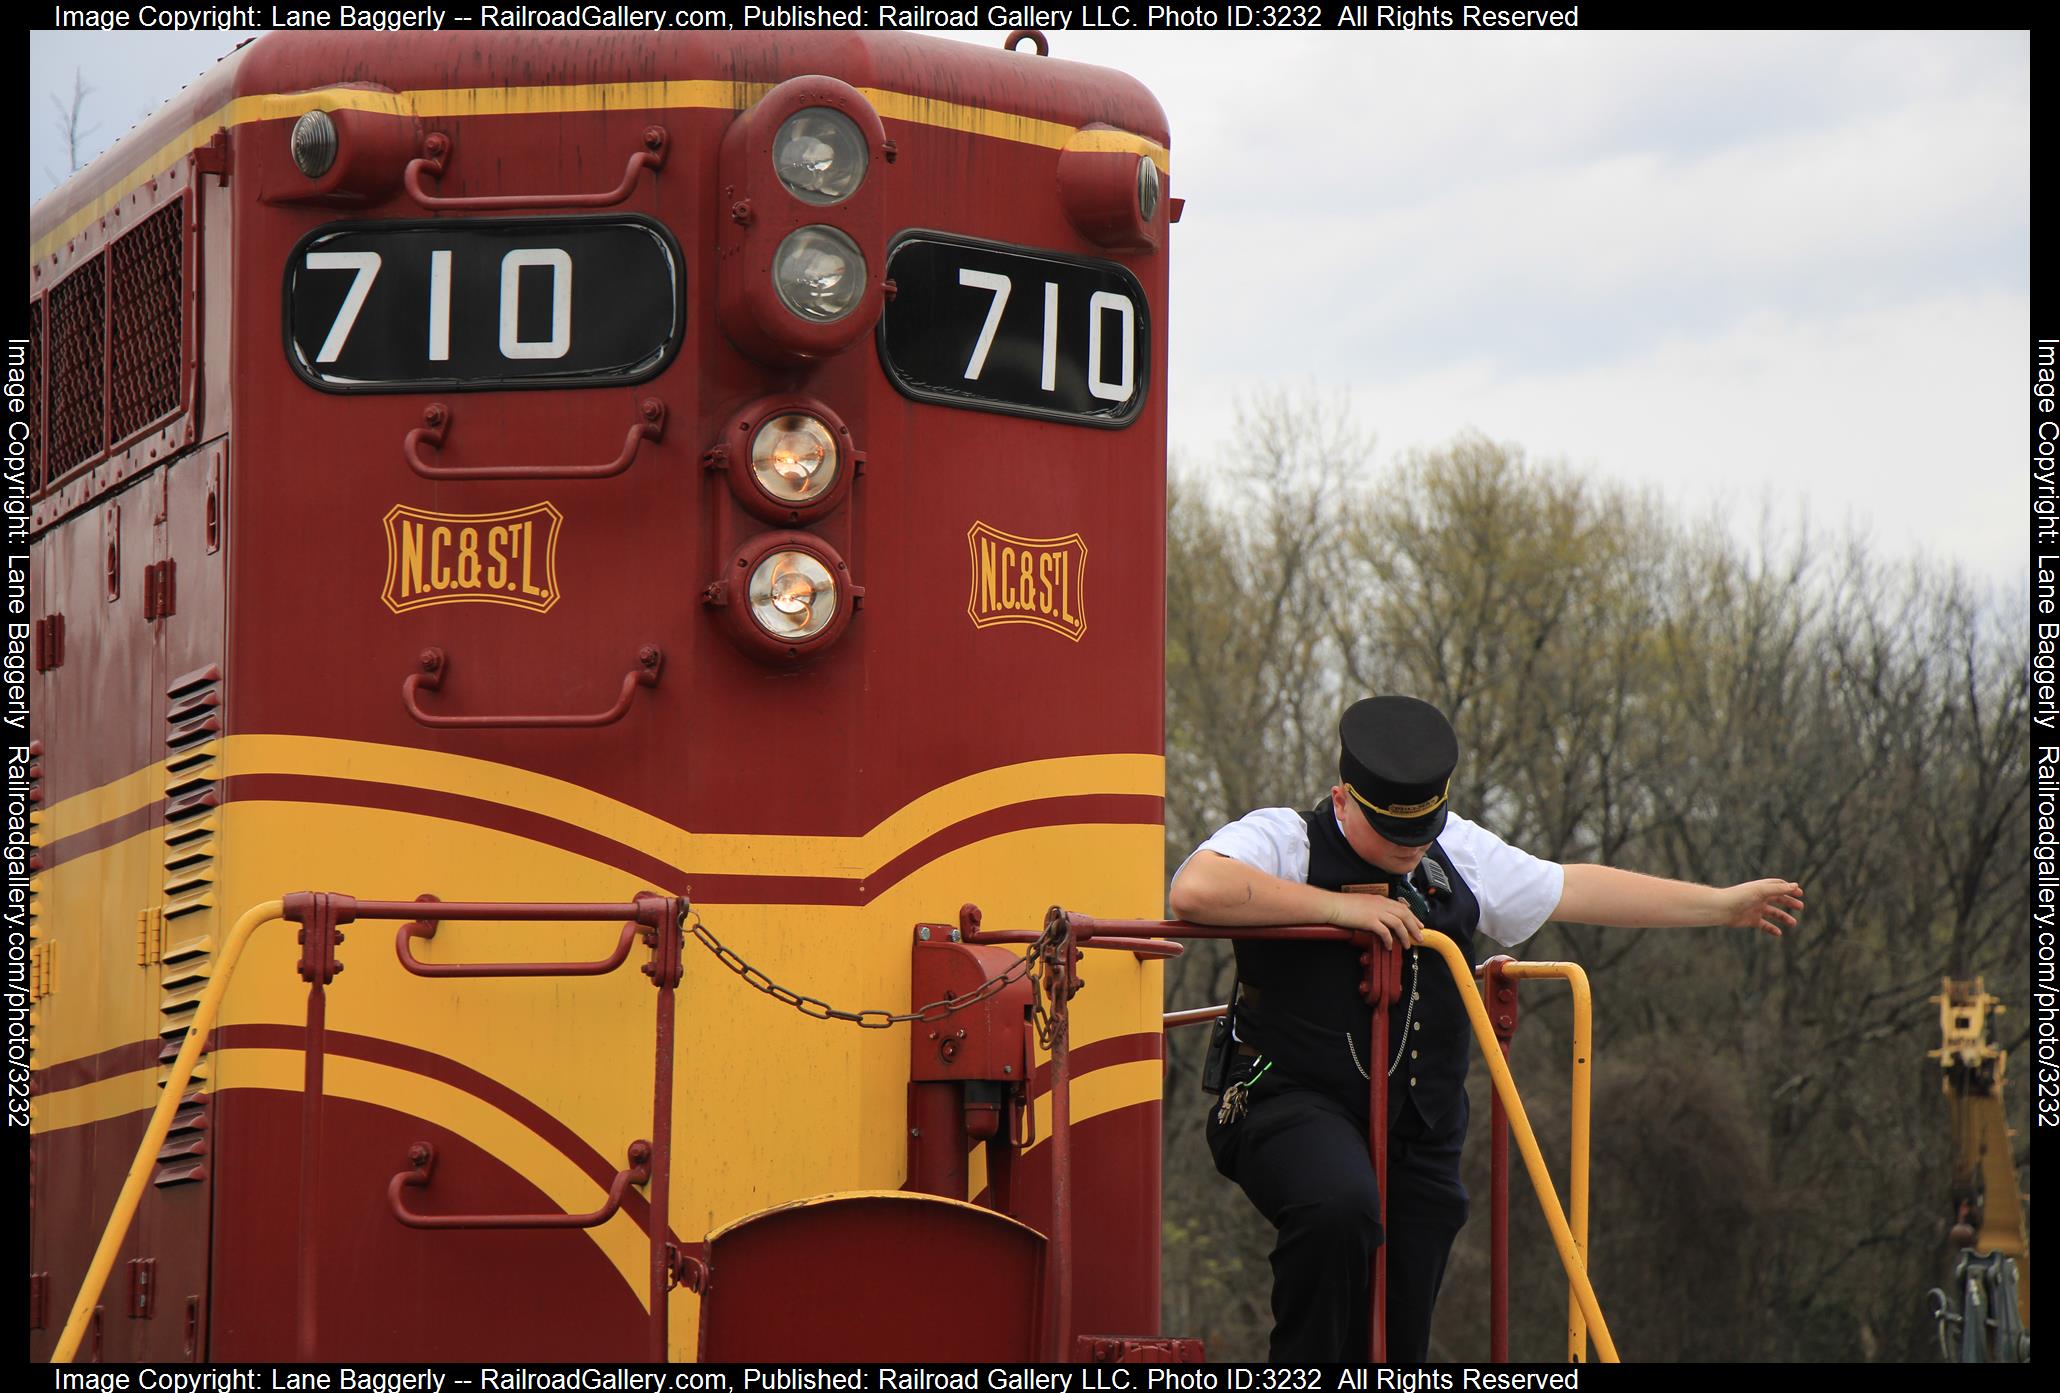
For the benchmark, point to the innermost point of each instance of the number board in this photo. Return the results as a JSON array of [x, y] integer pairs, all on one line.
[[473, 304], [1033, 333]]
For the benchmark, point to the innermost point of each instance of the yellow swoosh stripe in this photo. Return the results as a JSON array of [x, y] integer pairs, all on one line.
[[705, 853], [601, 96]]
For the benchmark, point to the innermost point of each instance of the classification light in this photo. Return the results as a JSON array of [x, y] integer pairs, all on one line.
[[819, 273], [820, 155]]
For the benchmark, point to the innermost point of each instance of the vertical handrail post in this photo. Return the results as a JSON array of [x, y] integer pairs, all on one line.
[[1502, 1014], [1383, 981], [1577, 1181], [1059, 985], [319, 915], [662, 917]]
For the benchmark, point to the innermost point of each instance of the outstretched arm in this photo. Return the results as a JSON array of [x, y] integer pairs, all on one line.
[[1216, 889], [1625, 899]]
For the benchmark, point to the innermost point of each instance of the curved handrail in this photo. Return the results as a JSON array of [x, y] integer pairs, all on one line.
[[160, 1127], [422, 1160], [435, 663], [1576, 979], [425, 928], [1570, 1256], [436, 421], [436, 149], [1085, 929]]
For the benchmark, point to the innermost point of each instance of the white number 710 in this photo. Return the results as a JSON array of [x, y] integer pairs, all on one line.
[[1000, 285]]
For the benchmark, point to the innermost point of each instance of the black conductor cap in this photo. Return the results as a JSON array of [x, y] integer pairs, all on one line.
[[1396, 755]]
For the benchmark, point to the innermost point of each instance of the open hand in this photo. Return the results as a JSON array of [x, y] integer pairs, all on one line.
[[1766, 905]]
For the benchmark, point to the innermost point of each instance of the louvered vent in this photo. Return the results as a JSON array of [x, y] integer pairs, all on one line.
[[144, 312], [78, 359], [186, 924], [192, 800]]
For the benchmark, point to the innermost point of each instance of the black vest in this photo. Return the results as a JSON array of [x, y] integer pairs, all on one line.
[[1312, 1020]]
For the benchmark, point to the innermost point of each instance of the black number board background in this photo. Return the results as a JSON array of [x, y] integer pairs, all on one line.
[[929, 329], [628, 304]]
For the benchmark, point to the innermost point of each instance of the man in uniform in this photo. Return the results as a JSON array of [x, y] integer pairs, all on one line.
[[1291, 1128]]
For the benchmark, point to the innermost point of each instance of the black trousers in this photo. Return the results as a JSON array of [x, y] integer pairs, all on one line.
[[1301, 1157]]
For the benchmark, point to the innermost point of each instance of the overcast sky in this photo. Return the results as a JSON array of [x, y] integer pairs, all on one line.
[[1752, 270]]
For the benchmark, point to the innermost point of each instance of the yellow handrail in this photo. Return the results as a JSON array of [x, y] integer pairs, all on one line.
[[160, 1125], [1570, 1257], [1577, 1169]]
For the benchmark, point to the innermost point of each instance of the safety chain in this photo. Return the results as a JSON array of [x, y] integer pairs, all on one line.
[[1033, 964]]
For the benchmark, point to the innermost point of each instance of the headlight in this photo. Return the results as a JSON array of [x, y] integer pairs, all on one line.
[[794, 458], [314, 144], [1147, 187], [819, 155], [793, 595], [819, 273]]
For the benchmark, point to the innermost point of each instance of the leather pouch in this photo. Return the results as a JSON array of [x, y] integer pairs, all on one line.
[[1222, 1053]]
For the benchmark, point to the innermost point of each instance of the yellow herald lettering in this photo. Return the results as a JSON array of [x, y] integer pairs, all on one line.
[[505, 558], [528, 534], [413, 536], [496, 561], [439, 570], [1037, 581]]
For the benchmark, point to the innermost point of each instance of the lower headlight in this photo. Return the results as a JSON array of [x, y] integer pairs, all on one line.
[[819, 273], [793, 596]]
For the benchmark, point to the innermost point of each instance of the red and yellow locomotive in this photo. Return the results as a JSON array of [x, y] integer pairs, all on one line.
[[552, 469]]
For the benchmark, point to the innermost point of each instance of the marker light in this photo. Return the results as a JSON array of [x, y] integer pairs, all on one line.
[[794, 458], [819, 273], [792, 595], [820, 155], [314, 144], [1147, 188]]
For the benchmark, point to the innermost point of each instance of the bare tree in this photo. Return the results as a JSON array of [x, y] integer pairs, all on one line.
[[71, 129], [1633, 687]]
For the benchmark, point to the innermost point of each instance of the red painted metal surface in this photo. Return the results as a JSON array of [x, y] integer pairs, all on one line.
[[390, 1292], [422, 1166], [437, 424], [299, 515], [435, 665], [780, 1283], [1383, 985], [1060, 983], [1500, 992], [425, 929], [436, 151]]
